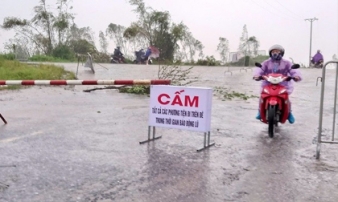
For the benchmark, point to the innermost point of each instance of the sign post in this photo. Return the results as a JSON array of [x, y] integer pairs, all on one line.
[[177, 107]]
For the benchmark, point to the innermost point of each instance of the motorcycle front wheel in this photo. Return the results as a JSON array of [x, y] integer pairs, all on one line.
[[272, 120]]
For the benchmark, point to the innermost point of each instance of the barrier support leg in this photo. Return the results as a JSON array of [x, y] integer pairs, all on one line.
[[149, 138], [3, 119], [206, 142]]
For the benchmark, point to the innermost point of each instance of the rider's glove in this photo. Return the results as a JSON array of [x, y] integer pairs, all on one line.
[[257, 78], [296, 78]]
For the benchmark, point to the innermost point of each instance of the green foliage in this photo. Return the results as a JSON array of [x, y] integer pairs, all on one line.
[[12, 22], [64, 52], [140, 90], [208, 61], [248, 45], [156, 28], [227, 94], [223, 49], [14, 70], [48, 29], [8, 56], [246, 61], [82, 46], [46, 58], [166, 44], [131, 32]]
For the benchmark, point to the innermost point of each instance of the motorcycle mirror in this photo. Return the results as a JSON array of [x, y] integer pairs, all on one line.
[[295, 66], [258, 64]]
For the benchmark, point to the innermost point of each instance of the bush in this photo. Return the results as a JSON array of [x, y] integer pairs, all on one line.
[[63, 52], [208, 61], [46, 58], [8, 56], [14, 70], [246, 61]]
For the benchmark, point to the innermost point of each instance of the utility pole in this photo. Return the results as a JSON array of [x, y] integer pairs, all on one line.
[[311, 20]]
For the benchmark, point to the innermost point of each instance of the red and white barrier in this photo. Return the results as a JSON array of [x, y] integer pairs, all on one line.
[[85, 82]]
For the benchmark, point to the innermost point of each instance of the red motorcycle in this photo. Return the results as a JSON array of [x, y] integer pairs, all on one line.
[[274, 100]]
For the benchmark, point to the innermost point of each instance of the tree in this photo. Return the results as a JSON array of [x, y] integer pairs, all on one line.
[[49, 33], [20, 45], [223, 49], [81, 40], [84, 33], [103, 42], [25, 29], [115, 32], [44, 19], [155, 28], [243, 41], [248, 45], [253, 45], [63, 21], [190, 45]]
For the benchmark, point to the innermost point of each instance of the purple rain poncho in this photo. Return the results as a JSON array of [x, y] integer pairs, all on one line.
[[279, 67], [318, 56]]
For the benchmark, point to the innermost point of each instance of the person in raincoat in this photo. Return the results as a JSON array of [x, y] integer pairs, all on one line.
[[117, 52], [317, 58], [276, 64], [148, 53]]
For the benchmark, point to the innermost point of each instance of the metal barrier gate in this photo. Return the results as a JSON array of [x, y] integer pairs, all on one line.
[[320, 128]]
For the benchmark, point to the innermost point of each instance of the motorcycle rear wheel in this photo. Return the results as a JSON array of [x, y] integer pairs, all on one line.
[[272, 120]]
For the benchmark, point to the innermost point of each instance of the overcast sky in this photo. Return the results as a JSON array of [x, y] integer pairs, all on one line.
[[270, 21]]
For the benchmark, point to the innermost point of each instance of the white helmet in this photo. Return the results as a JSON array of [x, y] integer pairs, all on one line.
[[277, 47]]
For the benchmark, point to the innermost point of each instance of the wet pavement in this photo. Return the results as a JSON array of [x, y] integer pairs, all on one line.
[[63, 144]]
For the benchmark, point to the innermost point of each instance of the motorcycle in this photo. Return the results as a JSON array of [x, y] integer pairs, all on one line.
[[117, 59], [140, 57], [274, 100], [318, 64]]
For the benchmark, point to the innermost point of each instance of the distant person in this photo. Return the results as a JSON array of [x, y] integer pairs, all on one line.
[[148, 53], [117, 57], [318, 59], [117, 52]]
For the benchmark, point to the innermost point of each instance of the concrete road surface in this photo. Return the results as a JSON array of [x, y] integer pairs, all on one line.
[[63, 144]]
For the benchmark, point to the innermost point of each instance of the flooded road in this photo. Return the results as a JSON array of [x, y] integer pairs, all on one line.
[[63, 144]]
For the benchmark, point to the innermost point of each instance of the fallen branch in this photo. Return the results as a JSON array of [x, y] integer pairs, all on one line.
[[3, 185], [101, 65], [108, 87]]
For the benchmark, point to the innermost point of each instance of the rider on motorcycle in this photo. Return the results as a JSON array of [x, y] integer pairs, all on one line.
[[117, 52], [317, 58], [276, 64]]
